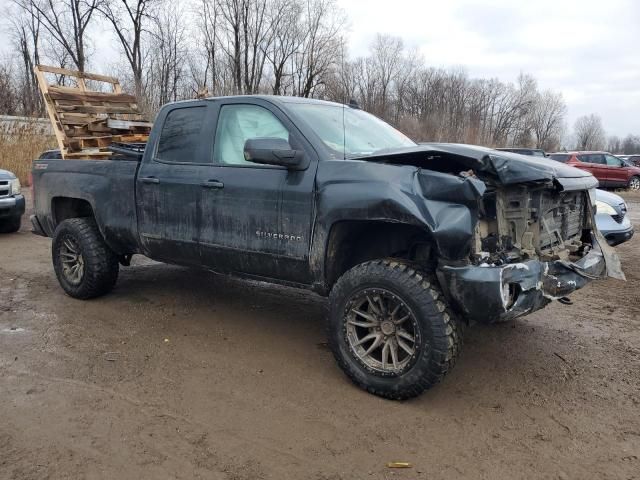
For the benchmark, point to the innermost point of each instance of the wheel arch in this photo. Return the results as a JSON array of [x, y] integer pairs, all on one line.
[[64, 208], [351, 242]]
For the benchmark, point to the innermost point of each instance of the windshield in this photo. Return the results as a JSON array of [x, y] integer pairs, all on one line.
[[350, 132]]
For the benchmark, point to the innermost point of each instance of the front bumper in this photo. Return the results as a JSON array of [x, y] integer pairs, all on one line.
[[12, 206], [615, 233], [478, 292], [616, 238]]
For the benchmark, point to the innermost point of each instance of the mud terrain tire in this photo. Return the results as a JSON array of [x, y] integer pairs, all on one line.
[[436, 330], [95, 269]]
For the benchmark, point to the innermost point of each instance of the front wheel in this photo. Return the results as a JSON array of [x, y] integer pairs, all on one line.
[[391, 330], [634, 184], [85, 265]]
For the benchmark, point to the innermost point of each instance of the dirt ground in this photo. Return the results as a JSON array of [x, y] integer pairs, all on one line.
[[184, 374]]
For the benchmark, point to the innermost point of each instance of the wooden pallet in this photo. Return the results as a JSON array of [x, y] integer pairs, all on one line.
[[87, 121]]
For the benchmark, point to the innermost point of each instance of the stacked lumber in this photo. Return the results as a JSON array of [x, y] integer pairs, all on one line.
[[87, 121]]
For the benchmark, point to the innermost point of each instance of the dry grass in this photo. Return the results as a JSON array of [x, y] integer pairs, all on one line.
[[19, 147]]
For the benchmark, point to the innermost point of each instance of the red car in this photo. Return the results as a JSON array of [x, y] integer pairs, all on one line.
[[608, 169]]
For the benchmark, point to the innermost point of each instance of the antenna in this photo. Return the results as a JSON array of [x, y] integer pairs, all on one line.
[[344, 135]]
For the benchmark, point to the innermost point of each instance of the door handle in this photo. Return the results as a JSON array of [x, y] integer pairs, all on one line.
[[212, 184], [150, 180]]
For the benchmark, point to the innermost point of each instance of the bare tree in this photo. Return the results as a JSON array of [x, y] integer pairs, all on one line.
[[589, 133], [547, 117], [614, 144], [66, 22], [129, 20], [8, 95], [318, 53], [631, 144], [387, 54], [25, 33], [167, 59], [286, 41]]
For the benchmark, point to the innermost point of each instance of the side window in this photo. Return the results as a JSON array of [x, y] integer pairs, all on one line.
[[592, 158], [239, 123], [613, 161], [180, 137], [559, 157]]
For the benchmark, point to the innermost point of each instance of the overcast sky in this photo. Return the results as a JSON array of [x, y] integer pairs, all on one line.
[[587, 49]]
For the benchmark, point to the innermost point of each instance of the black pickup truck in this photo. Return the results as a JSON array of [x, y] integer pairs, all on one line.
[[408, 241]]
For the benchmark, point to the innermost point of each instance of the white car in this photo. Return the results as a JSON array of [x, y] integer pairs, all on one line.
[[612, 219]]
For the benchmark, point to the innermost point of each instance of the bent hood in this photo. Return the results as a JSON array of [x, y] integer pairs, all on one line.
[[505, 167]]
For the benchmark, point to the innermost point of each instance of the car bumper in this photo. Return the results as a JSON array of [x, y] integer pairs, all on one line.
[[615, 233], [494, 294], [12, 206], [616, 238]]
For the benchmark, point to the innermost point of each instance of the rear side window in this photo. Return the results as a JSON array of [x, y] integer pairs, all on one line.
[[181, 136], [592, 158], [560, 157]]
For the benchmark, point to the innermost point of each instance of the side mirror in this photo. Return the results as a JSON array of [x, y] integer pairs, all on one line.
[[273, 151]]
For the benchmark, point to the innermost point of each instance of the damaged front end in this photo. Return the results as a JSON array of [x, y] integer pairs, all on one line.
[[534, 239], [534, 242]]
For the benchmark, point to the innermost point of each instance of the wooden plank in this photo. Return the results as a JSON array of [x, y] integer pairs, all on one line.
[[77, 74], [81, 116], [77, 119], [95, 109], [102, 103], [66, 93], [126, 124], [141, 138], [57, 127]]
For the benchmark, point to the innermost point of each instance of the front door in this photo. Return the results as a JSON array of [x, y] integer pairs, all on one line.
[[256, 219], [169, 184], [595, 164], [616, 171]]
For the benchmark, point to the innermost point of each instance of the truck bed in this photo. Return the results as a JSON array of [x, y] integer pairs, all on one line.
[[105, 186]]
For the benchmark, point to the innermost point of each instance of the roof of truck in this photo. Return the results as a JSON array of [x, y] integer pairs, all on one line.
[[280, 99]]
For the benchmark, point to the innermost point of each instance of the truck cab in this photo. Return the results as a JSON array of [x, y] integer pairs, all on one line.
[[409, 242]]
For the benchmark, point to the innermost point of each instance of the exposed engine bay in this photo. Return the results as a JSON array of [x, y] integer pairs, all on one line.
[[524, 222]]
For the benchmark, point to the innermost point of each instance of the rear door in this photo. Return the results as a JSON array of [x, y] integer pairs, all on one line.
[[256, 219], [169, 183]]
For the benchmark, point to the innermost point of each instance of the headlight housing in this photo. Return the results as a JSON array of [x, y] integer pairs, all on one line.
[[14, 186], [605, 208]]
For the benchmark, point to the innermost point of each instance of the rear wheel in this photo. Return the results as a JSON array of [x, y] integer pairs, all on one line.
[[85, 265], [10, 225], [390, 329], [634, 183]]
